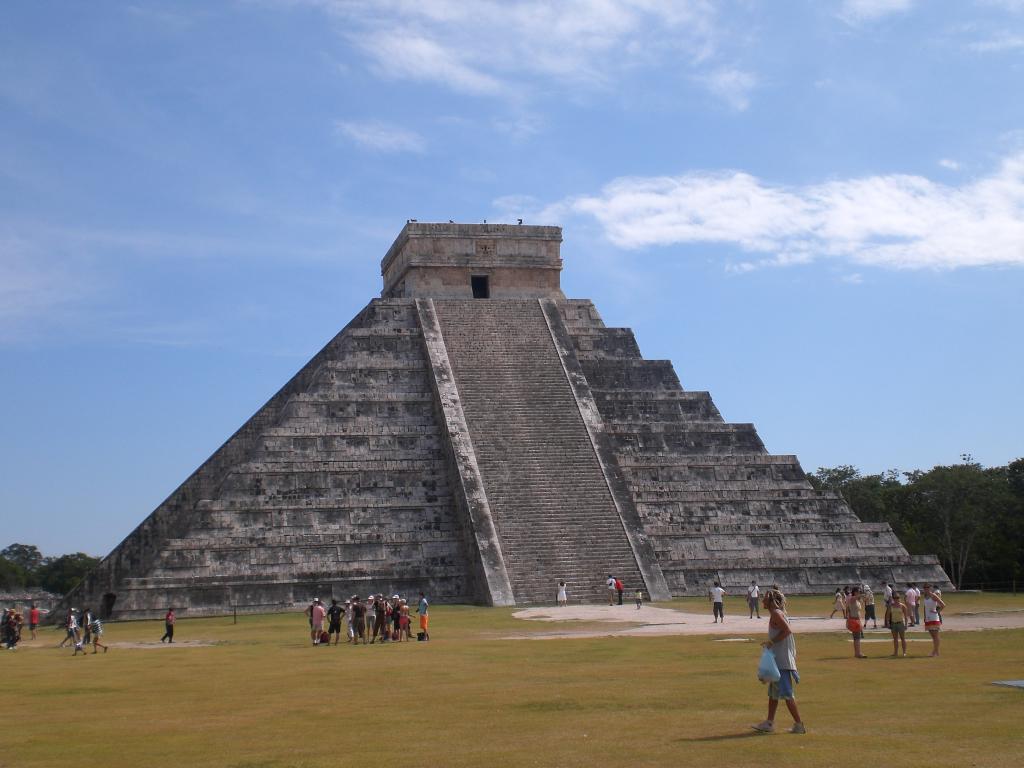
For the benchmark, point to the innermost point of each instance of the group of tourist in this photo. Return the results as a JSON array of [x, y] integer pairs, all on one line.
[[377, 619], [857, 606], [82, 630], [615, 588], [11, 622]]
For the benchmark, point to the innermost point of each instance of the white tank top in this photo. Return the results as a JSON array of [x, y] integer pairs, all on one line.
[[931, 611]]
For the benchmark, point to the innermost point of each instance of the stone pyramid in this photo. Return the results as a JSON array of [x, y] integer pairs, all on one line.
[[475, 435]]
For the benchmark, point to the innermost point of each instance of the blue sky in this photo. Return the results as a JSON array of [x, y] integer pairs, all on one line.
[[814, 209]]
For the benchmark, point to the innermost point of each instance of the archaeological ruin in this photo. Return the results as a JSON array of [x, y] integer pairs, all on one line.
[[476, 435]]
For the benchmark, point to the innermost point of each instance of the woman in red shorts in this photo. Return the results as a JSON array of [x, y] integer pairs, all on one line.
[[932, 621]]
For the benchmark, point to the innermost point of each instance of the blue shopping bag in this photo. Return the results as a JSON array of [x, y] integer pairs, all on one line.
[[768, 669]]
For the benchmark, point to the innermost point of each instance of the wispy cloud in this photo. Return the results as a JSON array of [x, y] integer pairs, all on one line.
[[895, 220], [998, 43], [733, 86], [951, 165], [28, 288], [854, 11], [380, 136], [489, 47]]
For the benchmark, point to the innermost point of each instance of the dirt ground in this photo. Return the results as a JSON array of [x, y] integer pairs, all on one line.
[[651, 620]]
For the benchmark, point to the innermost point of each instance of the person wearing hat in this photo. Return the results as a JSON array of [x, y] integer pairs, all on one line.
[[358, 621], [71, 626], [396, 618], [380, 619], [403, 621], [348, 619], [316, 617]]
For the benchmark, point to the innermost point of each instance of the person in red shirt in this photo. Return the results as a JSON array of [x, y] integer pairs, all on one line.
[[33, 619], [169, 620]]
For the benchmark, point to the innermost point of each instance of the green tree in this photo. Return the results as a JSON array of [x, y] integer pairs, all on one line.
[[959, 512], [62, 574], [26, 556], [12, 575], [867, 495], [970, 516]]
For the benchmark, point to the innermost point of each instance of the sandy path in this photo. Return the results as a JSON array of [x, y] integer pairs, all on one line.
[[656, 621]]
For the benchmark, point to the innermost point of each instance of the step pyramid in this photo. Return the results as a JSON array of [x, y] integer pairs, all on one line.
[[474, 435]]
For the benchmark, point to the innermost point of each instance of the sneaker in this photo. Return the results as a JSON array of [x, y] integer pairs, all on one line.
[[767, 726], [798, 728]]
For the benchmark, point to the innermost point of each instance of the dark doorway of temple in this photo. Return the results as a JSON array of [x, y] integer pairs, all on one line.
[[480, 288], [107, 608]]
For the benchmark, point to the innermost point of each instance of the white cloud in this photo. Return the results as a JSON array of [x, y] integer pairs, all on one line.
[[733, 86], [854, 278], [490, 47], [401, 55], [519, 127], [381, 137], [28, 288], [896, 220], [1009, 5], [871, 10], [998, 43], [951, 165]]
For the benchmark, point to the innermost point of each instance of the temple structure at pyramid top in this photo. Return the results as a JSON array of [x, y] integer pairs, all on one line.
[[475, 435], [465, 261]]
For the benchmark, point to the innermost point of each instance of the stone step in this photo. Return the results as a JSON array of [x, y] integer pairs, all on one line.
[[539, 470]]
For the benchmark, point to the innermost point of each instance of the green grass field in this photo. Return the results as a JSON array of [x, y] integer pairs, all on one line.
[[259, 695]]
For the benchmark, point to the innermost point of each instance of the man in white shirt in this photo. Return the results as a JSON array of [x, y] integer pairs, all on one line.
[[611, 589], [753, 593], [913, 594], [888, 601], [717, 597]]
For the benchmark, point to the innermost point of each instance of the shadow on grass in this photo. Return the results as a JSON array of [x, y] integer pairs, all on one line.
[[887, 657], [749, 734]]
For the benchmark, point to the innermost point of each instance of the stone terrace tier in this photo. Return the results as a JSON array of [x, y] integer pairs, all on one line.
[[338, 486], [716, 504]]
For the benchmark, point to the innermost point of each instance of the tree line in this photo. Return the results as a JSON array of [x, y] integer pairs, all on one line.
[[971, 516], [23, 565]]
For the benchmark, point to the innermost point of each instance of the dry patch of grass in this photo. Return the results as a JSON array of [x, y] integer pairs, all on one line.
[[257, 695]]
